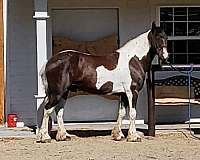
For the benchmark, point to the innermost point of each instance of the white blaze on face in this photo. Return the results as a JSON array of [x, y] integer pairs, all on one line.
[[165, 53], [120, 76]]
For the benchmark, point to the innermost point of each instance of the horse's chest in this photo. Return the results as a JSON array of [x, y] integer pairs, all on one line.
[[120, 78]]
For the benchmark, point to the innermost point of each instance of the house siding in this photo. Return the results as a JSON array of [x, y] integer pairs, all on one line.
[[21, 61], [1, 65], [135, 17]]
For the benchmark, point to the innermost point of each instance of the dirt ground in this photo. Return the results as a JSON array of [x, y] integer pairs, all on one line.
[[174, 146]]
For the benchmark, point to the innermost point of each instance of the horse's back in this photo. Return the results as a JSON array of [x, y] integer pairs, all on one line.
[[109, 60], [77, 68]]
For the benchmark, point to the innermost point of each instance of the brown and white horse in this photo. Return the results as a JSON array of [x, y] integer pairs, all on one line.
[[122, 73]]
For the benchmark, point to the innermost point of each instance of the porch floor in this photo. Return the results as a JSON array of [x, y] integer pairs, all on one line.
[[109, 126]]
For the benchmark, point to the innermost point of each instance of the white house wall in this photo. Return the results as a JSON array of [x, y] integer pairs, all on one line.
[[135, 17], [21, 61]]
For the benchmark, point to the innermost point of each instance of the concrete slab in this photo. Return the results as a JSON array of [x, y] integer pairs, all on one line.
[[16, 132]]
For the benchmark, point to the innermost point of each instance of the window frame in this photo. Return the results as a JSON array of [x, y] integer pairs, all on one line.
[[174, 38]]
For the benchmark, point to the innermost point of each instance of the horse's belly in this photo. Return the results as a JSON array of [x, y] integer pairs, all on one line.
[[118, 87]]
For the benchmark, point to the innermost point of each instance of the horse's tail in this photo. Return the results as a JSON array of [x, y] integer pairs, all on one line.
[[44, 78]]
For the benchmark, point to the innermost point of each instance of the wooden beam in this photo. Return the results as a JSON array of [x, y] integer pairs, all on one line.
[[151, 106], [1, 65]]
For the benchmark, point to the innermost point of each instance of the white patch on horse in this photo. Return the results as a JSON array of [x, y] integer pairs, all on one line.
[[120, 76], [165, 53], [43, 132], [136, 47]]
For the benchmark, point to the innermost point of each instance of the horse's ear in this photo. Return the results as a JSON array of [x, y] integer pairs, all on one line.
[[153, 26]]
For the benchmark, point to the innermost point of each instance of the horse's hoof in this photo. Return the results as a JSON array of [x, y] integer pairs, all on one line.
[[46, 141], [118, 138], [117, 135], [64, 136], [134, 139], [43, 138], [43, 141]]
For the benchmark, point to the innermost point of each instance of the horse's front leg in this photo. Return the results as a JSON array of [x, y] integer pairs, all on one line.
[[43, 135], [132, 134], [117, 132], [61, 133]]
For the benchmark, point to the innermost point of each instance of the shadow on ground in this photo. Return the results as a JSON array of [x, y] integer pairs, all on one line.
[[93, 133]]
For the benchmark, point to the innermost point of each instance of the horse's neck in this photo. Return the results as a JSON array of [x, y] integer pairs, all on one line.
[[147, 60], [138, 46]]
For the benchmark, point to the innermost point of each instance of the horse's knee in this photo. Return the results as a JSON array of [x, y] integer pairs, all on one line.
[[122, 112], [48, 112]]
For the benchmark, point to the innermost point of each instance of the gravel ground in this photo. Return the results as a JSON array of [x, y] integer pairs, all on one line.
[[173, 146]]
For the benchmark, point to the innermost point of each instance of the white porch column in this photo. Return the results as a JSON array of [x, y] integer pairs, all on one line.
[[41, 16]]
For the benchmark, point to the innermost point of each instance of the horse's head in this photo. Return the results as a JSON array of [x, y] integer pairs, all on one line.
[[158, 41]]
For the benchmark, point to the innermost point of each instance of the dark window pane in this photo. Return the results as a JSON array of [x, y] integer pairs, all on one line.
[[168, 27], [194, 28], [170, 46], [180, 29], [171, 58], [194, 13], [193, 46], [194, 58], [180, 46], [180, 58], [180, 14], [166, 14]]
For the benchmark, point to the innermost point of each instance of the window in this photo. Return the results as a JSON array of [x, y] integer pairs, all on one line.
[[182, 25]]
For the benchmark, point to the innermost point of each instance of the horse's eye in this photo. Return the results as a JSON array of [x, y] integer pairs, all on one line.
[[162, 36], [158, 37]]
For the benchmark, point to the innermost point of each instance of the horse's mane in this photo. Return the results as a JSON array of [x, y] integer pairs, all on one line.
[[133, 45]]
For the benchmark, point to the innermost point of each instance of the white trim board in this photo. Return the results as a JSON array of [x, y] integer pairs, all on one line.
[[99, 125]]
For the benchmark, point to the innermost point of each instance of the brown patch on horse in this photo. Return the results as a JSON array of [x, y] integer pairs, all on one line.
[[107, 87], [137, 73]]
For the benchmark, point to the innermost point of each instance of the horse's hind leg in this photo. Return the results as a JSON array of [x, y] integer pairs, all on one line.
[[117, 132], [49, 105], [61, 133]]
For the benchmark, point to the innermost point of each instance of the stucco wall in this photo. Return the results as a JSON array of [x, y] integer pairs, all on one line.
[[21, 48], [135, 17], [21, 61]]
